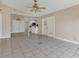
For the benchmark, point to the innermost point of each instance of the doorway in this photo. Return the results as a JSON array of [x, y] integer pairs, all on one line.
[[18, 24], [48, 26]]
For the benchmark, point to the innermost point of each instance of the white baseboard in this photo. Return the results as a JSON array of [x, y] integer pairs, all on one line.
[[71, 41], [74, 42], [4, 37], [17, 32]]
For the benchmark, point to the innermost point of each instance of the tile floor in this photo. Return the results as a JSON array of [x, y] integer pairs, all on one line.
[[19, 46]]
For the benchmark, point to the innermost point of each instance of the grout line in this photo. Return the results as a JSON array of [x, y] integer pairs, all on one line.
[[75, 52], [21, 48]]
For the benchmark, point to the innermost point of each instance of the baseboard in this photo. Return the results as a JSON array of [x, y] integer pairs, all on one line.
[[17, 32], [5, 37], [74, 42]]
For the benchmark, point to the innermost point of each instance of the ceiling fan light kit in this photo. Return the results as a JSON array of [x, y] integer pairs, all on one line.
[[36, 8]]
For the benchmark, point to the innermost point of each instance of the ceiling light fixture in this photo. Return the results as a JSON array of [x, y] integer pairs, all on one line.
[[36, 8]]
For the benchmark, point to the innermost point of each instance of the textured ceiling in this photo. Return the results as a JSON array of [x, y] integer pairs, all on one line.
[[51, 5]]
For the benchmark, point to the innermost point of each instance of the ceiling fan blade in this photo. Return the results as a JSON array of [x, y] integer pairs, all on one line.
[[42, 8], [35, 7], [35, 10], [28, 7]]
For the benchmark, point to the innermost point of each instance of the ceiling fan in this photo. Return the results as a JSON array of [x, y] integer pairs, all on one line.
[[36, 8]]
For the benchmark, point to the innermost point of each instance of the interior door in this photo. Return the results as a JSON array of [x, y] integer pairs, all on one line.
[[48, 26]]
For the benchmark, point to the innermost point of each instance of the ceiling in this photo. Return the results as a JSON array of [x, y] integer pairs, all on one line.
[[51, 5]]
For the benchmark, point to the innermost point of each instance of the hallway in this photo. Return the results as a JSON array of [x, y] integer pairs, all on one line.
[[36, 46]]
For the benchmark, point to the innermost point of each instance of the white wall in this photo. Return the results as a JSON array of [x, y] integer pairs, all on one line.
[[67, 24], [6, 22]]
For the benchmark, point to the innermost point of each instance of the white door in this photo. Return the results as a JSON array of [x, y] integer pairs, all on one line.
[[15, 26], [18, 26], [48, 26]]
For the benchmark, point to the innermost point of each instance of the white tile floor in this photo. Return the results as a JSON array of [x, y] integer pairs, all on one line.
[[37, 47]]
